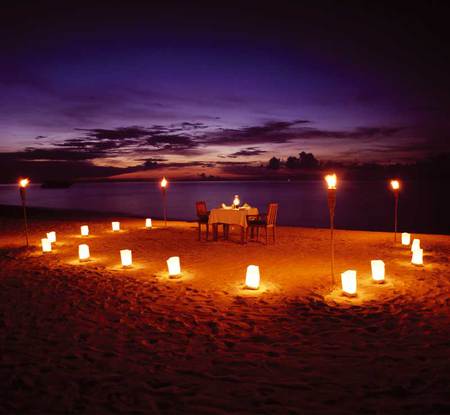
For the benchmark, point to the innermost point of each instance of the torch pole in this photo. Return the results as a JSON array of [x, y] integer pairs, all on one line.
[[165, 206], [395, 215], [23, 197], [331, 207]]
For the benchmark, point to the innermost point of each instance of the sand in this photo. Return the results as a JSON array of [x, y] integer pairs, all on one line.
[[96, 338]]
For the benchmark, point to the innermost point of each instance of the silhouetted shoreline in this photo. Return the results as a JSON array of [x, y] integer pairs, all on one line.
[[433, 168]]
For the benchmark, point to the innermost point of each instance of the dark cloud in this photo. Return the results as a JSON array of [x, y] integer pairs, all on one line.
[[193, 126], [121, 133], [232, 163], [149, 146], [188, 164], [157, 138], [391, 151], [155, 163], [154, 159], [135, 140], [270, 132], [402, 151], [186, 139], [249, 151], [360, 133], [170, 143], [280, 132], [39, 154]]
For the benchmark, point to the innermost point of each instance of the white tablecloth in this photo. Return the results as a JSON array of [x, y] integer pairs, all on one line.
[[231, 216]]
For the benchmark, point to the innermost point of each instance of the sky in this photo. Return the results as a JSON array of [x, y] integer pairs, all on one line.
[[137, 90]]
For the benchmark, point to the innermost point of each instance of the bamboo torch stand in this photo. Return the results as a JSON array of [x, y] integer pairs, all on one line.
[[395, 214], [22, 191], [164, 206], [331, 207]]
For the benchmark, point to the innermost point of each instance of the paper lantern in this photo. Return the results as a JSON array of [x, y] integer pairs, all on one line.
[[348, 279], [417, 257], [46, 245], [173, 264], [236, 201], [331, 180], [125, 256], [406, 238], [252, 277], [51, 236], [84, 230], [377, 270], [415, 245], [148, 223], [164, 183], [115, 226], [83, 252]]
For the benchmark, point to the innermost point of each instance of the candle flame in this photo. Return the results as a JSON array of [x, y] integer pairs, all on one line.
[[164, 182], [331, 180], [395, 184], [24, 182]]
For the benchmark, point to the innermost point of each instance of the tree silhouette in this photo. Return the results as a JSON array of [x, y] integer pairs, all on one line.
[[292, 162], [304, 161], [308, 161], [274, 163]]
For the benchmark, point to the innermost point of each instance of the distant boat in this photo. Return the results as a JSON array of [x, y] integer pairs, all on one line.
[[56, 184]]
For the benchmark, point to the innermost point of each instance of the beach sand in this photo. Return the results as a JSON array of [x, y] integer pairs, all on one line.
[[94, 337]]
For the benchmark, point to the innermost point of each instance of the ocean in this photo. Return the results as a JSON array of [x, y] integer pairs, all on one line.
[[364, 205]]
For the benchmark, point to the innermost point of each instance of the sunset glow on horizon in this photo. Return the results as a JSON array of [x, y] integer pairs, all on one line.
[[110, 96]]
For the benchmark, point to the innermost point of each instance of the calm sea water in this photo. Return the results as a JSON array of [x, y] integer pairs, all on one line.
[[360, 205]]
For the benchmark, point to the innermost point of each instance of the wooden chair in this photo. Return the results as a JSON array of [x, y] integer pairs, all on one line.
[[264, 220], [202, 218]]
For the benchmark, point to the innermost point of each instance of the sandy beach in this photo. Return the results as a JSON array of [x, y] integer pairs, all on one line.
[[93, 337]]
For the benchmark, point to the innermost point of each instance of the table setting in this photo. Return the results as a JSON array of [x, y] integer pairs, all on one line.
[[234, 215]]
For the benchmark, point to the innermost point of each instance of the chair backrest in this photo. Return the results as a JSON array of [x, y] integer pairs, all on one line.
[[272, 213], [200, 207]]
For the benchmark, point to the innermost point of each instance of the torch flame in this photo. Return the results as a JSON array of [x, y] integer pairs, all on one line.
[[24, 182], [164, 183], [395, 184], [331, 180]]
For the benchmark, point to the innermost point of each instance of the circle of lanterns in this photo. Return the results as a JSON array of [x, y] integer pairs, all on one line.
[[252, 278]]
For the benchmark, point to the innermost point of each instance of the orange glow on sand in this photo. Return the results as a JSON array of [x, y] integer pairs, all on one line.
[[211, 285]]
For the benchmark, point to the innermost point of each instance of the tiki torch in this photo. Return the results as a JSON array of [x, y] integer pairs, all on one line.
[[395, 184], [23, 183], [331, 182], [164, 184]]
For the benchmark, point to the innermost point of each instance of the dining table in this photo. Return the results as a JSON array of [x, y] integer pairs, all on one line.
[[230, 217]]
